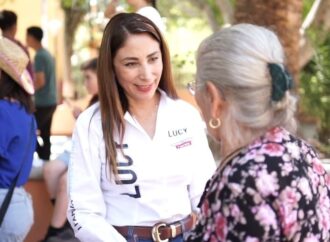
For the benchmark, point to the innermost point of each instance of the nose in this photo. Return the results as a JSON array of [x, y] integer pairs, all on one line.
[[146, 72]]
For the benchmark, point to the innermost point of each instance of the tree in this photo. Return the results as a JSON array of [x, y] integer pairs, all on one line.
[[74, 11], [304, 29], [316, 13], [283, 17], [315, 90], [318, 20]]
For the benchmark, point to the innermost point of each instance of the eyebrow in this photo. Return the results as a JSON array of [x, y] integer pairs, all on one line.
[[134, 58]]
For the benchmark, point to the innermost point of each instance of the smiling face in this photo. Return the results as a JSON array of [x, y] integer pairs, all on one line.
[[138, 67]]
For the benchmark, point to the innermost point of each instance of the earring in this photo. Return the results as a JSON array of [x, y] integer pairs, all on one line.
[[215, 123]]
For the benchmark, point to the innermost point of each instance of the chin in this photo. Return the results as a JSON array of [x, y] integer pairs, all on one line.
[[146, 97]]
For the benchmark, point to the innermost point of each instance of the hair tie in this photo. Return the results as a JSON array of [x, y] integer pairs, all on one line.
[[281, 81]]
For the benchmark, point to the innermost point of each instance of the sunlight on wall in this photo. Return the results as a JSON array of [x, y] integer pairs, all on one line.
[[48, 15]]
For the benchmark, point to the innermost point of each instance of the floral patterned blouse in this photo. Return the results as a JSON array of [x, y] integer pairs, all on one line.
[[275, 189]]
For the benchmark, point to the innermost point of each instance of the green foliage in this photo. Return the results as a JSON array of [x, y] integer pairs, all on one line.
[[183, 67], [315, 89], [216, 11], [307, 5], [186, 26], [75, 4], [179, 13]]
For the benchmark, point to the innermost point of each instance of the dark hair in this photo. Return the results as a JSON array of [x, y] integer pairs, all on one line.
[[93, 100], [7, 19], [113, 102], [35, 32], [92, 66], [10, 89], [153, 3], [89, 65]]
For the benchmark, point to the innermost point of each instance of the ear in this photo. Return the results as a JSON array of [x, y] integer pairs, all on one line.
[[215, 99]]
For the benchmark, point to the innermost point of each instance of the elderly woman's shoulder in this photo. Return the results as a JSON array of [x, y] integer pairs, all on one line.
[[276, 148]]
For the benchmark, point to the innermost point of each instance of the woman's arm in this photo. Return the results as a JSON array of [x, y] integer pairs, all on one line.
[[87, 208]]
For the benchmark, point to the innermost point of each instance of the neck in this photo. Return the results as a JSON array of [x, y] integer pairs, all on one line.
[[146, 114], [37, 46], [225, 150], [141, 108], [8, 34], [243, 137]]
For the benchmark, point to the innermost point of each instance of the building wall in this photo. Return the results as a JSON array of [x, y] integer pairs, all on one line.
[[48, 15]]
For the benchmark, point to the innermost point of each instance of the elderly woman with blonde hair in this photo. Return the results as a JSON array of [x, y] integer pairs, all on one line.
[[270, 185]]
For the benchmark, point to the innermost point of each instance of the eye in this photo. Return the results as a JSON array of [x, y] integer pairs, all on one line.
[[130, 64], [154, 59]]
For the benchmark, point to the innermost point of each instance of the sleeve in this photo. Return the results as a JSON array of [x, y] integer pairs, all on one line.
[[39, 63], [203, 162], [87, 209]]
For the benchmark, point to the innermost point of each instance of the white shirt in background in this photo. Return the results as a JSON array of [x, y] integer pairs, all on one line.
[[153, 14]]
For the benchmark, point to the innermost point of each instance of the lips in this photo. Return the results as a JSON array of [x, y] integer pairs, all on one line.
[[144, 88]]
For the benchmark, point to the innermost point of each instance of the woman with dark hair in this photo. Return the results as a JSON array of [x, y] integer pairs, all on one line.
[[136, 171], [147, 8], [17, 140]]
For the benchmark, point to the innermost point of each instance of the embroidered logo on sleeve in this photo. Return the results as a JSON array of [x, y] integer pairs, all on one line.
[[76, 225]]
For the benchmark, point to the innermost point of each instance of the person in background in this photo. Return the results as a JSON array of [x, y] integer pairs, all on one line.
[[17, 140], [270, 185], [8, 26], [140, 157], [147, 8], [55, 171], [45, 85]]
